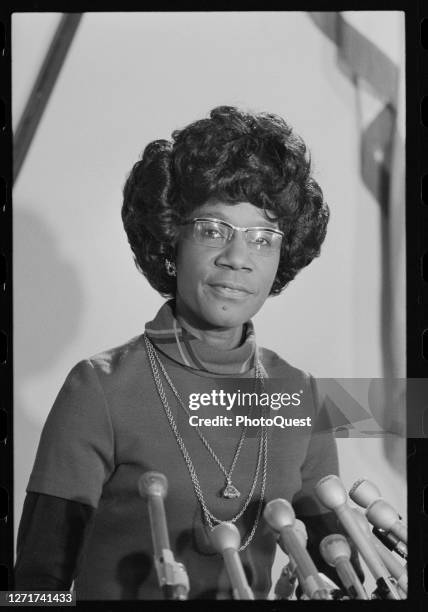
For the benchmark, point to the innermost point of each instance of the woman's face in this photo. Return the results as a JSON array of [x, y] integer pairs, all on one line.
[[223, 287]]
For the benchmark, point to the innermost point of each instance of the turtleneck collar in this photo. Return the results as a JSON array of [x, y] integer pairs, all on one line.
[[182, 346]]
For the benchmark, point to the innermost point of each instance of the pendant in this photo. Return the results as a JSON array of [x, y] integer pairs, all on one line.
[[231, 491]]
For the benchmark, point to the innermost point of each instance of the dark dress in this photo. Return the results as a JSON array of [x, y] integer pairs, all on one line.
[[84, 519]]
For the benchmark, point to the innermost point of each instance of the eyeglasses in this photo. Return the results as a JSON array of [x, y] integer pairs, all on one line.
[[216, 233]]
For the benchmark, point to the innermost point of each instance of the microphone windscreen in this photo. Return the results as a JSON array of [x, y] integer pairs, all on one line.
[[153, 483], [334, 547], [225, 536], [279, 513], [363, 492], [331, 492]]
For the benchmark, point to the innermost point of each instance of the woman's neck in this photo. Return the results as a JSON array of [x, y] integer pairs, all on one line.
[[219, 338]]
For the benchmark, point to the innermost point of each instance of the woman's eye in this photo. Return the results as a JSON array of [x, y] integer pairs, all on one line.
[[262, 240], [210, 232]]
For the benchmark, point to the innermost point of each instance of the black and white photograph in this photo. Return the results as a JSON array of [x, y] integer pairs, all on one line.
[[209, 305]]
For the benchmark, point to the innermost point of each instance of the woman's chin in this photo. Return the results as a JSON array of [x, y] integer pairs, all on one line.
[[226, 315]]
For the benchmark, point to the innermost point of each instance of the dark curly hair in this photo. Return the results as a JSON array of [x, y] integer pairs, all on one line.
[[234, 156]]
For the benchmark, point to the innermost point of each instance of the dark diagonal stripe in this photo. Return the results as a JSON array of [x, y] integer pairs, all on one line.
[[375, 152], [362, 56], [43, 87]]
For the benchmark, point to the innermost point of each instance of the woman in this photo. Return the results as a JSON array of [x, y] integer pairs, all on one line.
[[218, 219]]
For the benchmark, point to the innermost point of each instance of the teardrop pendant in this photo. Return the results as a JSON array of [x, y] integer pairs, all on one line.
[[230, 491]]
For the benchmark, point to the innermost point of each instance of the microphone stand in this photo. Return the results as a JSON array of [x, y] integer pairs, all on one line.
[[172, 576]]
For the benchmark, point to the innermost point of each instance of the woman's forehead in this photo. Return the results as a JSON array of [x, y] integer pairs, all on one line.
[[237, 213]]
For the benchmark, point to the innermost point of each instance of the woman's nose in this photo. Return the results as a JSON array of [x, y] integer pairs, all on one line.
[[235, 254]]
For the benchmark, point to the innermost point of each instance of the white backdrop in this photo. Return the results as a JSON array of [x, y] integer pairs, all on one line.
[[132, 78]]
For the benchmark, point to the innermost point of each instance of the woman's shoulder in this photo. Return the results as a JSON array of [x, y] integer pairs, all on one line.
[[117, 363], [122, 354], [277, 367]]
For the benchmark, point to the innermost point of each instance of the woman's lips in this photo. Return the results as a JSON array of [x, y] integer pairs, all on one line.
[[230, 290]]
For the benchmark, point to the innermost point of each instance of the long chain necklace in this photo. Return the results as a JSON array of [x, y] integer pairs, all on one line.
[[262, 452], [229, 491]]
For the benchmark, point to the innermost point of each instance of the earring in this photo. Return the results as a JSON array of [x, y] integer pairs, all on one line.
[[170, 268]]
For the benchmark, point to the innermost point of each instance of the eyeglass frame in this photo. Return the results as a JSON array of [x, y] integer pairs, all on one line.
[[236, 228]]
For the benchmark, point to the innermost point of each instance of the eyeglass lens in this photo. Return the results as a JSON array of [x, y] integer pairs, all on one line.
[[217, 233]]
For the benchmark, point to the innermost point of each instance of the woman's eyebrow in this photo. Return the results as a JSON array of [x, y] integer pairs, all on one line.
[[263, 222]]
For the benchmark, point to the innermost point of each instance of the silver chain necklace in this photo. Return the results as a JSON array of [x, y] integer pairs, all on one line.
[[262, 451], [229, 491]]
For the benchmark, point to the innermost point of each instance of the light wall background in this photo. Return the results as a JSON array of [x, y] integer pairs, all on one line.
[[130, 78]]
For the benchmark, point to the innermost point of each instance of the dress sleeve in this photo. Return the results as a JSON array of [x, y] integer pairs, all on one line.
[[75, 456], [51, 538]]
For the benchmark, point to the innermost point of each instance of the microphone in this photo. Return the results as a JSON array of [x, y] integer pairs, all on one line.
[[391, 563], [225, 539], [286, 583], [391, 542], [331, 492], [280, 516], [337, 553], [302, 534], [363, 492], [172, 576], [383, 516]]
